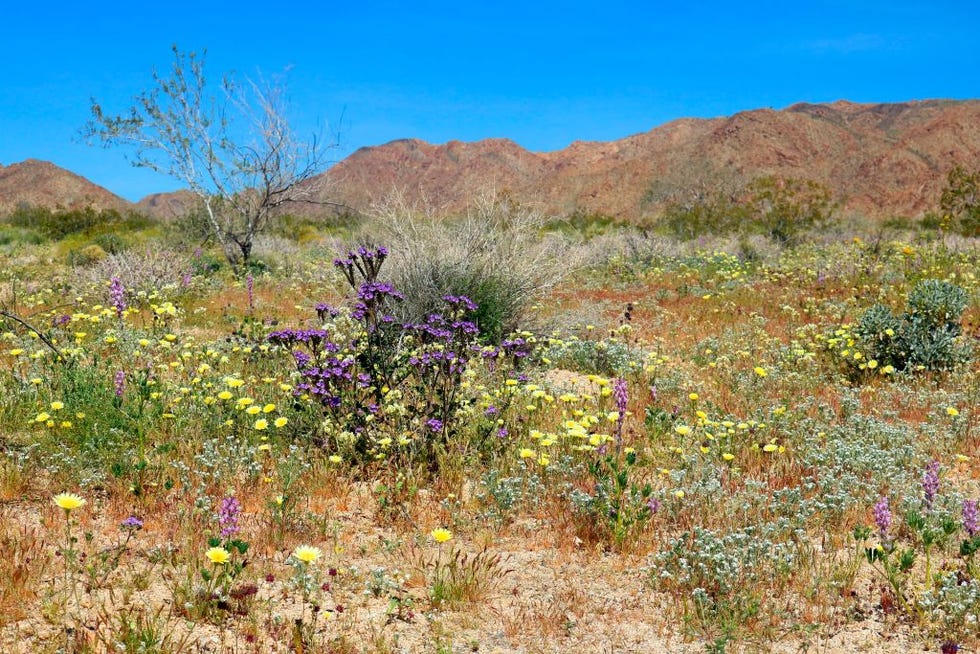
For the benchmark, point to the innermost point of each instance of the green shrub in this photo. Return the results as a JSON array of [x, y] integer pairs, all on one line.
[[489, 255], [10, 234], [86, 256], [57, 224], [960, 202], [926, 335], [110, 243]]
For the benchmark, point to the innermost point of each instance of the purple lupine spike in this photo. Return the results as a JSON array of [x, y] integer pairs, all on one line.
[[119, 382], [117, 293], [883, 517], [971, 517], [930, 483], [228, 516]]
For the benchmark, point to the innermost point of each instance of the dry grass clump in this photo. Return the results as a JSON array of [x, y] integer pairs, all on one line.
[[494, 254]]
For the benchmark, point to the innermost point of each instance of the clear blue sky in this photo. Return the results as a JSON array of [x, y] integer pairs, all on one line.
[[541, 73]]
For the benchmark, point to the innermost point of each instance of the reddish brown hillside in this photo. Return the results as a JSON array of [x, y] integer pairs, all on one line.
[[879, 159], [167, 205], [41, 183]]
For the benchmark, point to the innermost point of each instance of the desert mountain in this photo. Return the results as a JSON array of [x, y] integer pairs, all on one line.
[[41, 183], [167, 205], [878, 159]]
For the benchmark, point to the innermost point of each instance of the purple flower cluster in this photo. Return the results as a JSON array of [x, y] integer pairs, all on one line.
[[250, 289], [621, 395], [317, 340], [117, 295], [365, 262], [228, 515], [930, 483], [324, 311], [883, 517], [325, 381], [132, 523], [119, 382], [971, 517], [371, 298], [460, 302]]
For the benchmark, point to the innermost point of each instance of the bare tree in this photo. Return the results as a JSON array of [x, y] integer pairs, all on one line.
[[234, 149]]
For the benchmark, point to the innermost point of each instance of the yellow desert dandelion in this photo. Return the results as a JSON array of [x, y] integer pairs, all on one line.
[[441, 535], [952, 411], [307, 553], [68, 501], [218, 555]]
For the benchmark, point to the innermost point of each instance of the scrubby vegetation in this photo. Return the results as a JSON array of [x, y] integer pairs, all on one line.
[[489, 433]]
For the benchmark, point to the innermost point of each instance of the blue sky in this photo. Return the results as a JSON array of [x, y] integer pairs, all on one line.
[[541, 73]]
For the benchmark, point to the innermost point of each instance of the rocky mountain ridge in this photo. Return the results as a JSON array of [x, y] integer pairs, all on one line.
[[877, 159]]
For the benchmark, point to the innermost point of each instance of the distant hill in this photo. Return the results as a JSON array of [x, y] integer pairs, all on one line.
[[167, 205], [878, 159], [881, 159], [41, 183]]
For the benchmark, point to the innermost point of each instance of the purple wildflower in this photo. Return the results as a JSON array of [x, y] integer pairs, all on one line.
[[132, 523], [434, 424], [228, 516], [250, 288], [118, 296], [930, 483], [119, 382], [653, 504], [621, 395], [883, 517], [971, 520]]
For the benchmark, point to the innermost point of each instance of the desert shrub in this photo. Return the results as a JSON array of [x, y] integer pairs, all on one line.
[[782, 209], [960, 202], [491, 255], [713, 215], [609, 357], [584, 224], [925, 336], [110, 243], [10, 234], [145, 271], [785, 209], [57, 224], [86, 256]]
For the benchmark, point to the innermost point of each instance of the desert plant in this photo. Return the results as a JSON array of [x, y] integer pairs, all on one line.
[[960, 201], [926, 336], [785, 208], [492, 254], [180, 129]]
